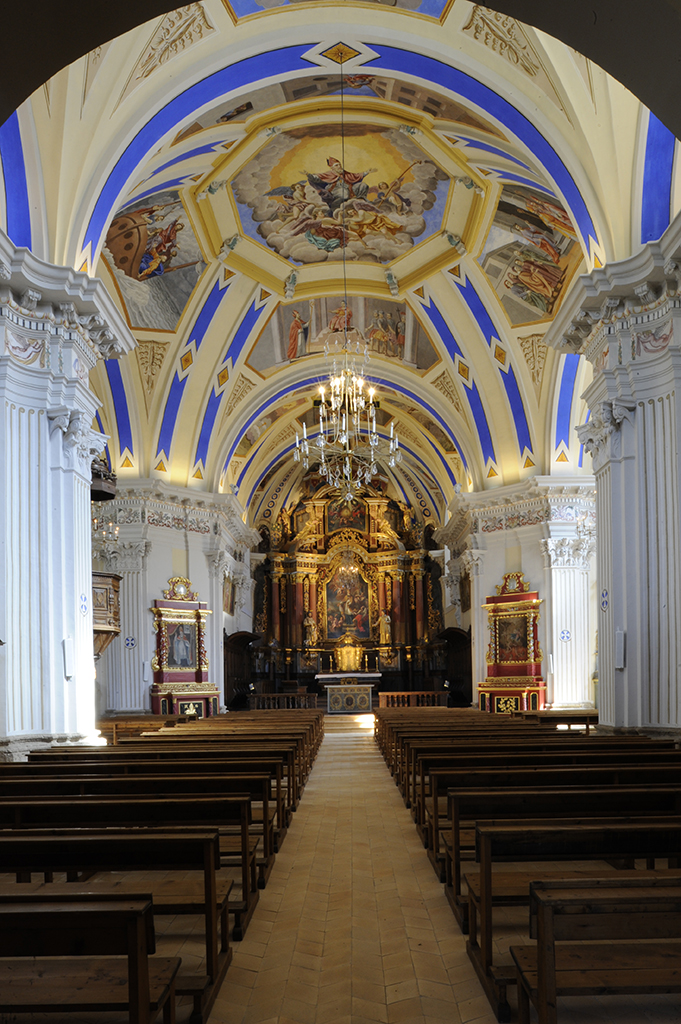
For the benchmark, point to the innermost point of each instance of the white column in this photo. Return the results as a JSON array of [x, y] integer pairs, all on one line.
[[567, 560], [471, 561], [126, 663], [218, 568]]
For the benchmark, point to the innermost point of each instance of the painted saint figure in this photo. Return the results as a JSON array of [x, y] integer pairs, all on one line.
[[297, 336]]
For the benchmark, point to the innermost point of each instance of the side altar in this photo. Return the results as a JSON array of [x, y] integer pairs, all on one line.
[[180, 663], [514, 681]]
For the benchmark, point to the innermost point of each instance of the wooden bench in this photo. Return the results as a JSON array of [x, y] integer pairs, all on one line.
[[467, 807], [171, 767], [565, 769], [255, 786], [140, 813], [287, 752], [553, 840], [87, 850], [625, 912], [89, 932]]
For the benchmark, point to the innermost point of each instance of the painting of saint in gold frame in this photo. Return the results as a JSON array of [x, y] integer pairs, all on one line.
[[512, 638], [182, 647]]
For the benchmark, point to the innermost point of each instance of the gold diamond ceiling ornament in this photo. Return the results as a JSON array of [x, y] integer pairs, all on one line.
[[340, 52]]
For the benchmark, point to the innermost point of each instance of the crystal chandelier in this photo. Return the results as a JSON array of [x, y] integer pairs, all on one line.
[[348, 445]]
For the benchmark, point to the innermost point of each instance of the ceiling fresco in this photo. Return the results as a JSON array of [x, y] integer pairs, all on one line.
[[313, 196], [155, 259], [203, 176], [394, 90], [380, 327], [531, 254]]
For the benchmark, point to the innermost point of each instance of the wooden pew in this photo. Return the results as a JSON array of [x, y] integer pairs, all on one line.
[[555, 840], [255, 786], [626, 912], [95, 850], [89, 932], [546, 751], [58, 756], [467, 807], [568, 766], [139, 813], [134, 765]]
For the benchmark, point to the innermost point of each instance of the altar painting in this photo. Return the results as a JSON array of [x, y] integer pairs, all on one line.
[[347, 606], [531, 254], [512, 638], [297, 198], [182, 645], [154, 256], [343, 516]]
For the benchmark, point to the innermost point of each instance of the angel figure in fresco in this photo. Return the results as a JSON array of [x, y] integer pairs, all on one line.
[[291, 198], [297, 336]]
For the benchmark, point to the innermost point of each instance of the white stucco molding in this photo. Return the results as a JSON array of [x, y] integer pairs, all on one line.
[[70, 299], [620, 294]]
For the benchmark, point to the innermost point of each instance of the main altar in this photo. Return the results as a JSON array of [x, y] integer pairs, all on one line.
[[349, 689], [347, 587]]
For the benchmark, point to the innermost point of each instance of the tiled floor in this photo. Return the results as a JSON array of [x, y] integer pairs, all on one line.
[[353, 926]]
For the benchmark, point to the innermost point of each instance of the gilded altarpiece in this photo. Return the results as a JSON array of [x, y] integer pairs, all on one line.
[[514, 658], [348, 574], [180, 664]]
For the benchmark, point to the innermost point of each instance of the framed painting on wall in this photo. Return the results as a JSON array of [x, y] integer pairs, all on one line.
[[182, 645]]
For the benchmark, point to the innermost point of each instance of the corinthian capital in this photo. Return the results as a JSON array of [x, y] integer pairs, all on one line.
[[567, 552]]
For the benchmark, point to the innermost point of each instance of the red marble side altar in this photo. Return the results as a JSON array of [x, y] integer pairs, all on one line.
[[514, 681], [180, 664]]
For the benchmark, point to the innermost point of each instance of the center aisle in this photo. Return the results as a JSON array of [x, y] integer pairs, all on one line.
[[353, 925]]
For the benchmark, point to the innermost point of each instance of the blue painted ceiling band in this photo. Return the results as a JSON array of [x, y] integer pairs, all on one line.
[[210, 147], [210, 414], [480, 418], [165, 436], [657, 181], [17, 208], [207, 312], [517, 408], [565, 395], [242, 333], [120, 404]]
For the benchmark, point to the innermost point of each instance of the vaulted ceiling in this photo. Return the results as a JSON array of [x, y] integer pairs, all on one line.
[[194, 164]]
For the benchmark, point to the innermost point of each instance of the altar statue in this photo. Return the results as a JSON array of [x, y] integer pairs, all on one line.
[[385, 627], [310, 627]]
